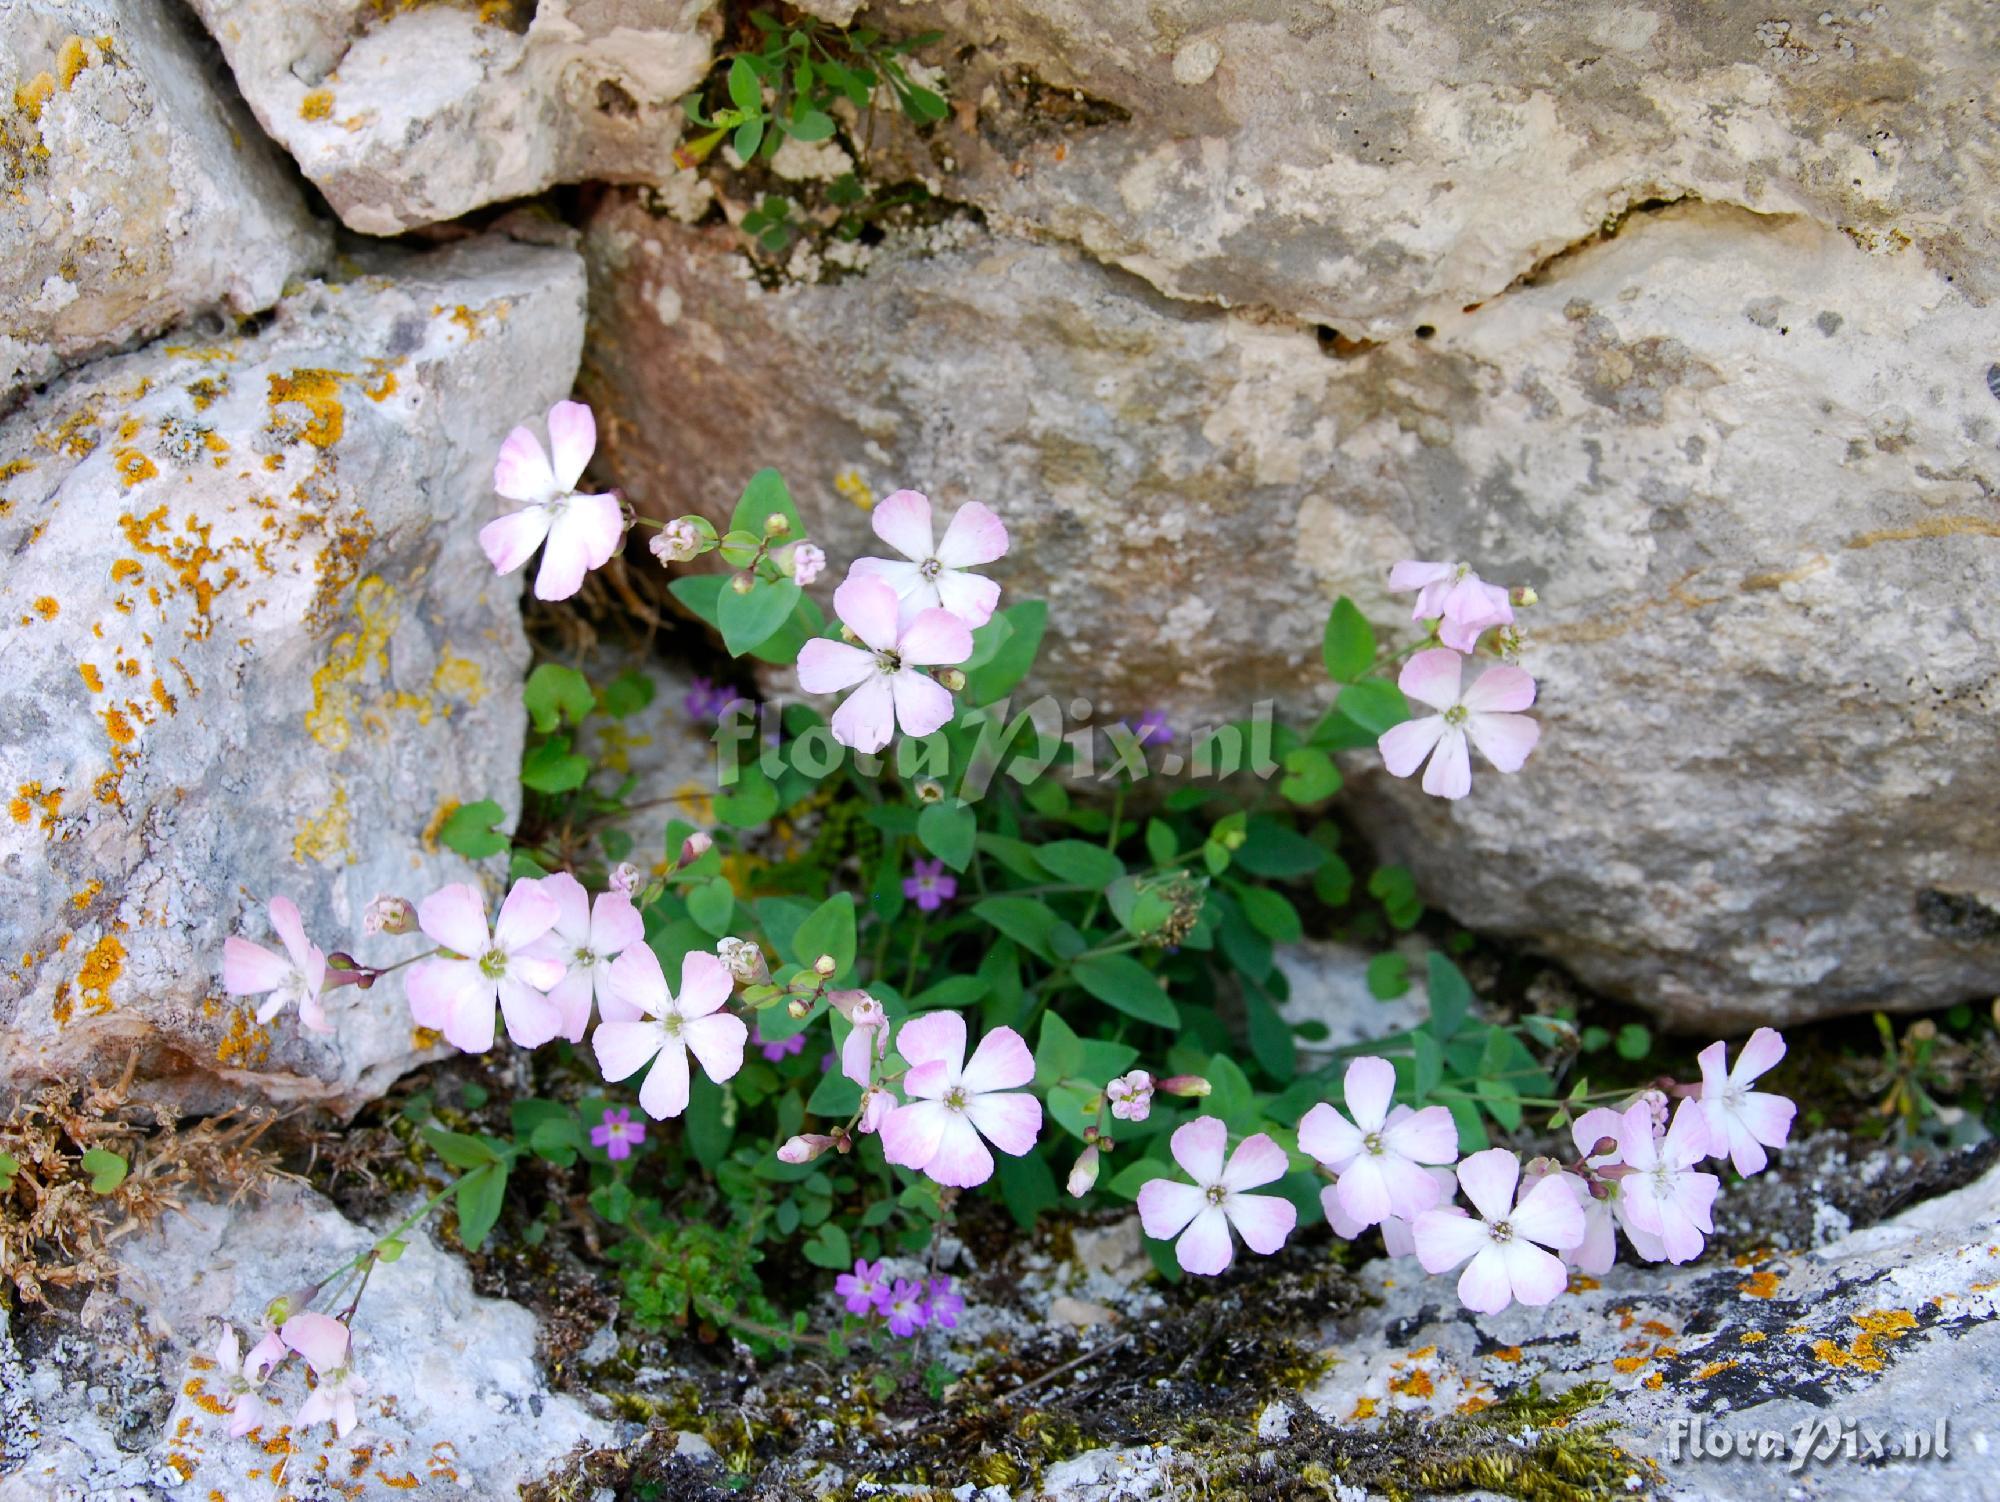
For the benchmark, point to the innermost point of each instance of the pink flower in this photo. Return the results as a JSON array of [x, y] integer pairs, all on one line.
[[929, 887], [1663, 1195], [1398, 1235], [888, 688], [677, 542], [805, 1147], [904, 1305], [1083, 1173], [582, 531], [617, 1133], [323, 1341], [668, 1027], [515, 963], [957, 1102], [1131, 1096], [389, 915], [1603, 1205], [933, 577], [942, 1307], [1481, 712], [587, 937], [294, 977], [807, 561], [1379, 1155], [1743, 1122], [1201, 1213], [867, 1037], [876, 1104], [1464, 604], [1507, 1264], [865, 1289], [241, 1378], [625, 878]]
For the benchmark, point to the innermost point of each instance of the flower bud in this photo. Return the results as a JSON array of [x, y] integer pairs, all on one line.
[[825, 965], [389, 915], [952, 679], [777, 524], [1526, 596], [804, 1148], [930, 790], [797, 1008], [742, 584], [1185, 1085], [743, 960], [1084, 1174], [683, 538], [695, 846], [626, 878], [340, 959]]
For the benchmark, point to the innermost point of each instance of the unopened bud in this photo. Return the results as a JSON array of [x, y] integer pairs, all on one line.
[[389, 915], [777, 524], [695, 846], [1923, 1030], [825, 965], [797, 1008], [1192, 1085], [1090, 1135], [1526, 596], [1604, 1147], [340, 959], [952, 679], [930, 790], [1084, 1174], [743, 584], [804, 1148], [1234, 839]]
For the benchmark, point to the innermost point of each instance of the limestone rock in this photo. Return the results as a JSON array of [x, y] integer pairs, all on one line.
[[1747, 462], [135, 190], [407, 114], [1890, 1331], [455, 1405], [253, 648]]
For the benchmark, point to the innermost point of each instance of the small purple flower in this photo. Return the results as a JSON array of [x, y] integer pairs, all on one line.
[[781, 1050], [617, 1134], [1152, 729], [930, 887], [705, 700], [865, 1289], [906, 1308], [942, 1307]]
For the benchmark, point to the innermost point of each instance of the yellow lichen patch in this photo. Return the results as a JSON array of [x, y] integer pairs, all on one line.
[[317, 105], [204, 392], [318, 391], [1714, 1369], [29, 800], [1629, 1363], [76, 435], [86, 894], [1865, 1352], [1752, 1337], [206, 1401], [1763, 1285], [349, 658], [1364, 1408], [101, 969], [1656, 1327], [47, 608], [1655, 1381], [423, 1039], [326, 837], [245, 1044], [337, 565], [1507, 1353], [430, 835], [850, 484], [134, 466], [189, 559], [381, 379], [71, 59], [119, 727], [466, 319], [30, 97], [460, 677], [162, 697], [1416, 1384], [126, 569], [92, 679]]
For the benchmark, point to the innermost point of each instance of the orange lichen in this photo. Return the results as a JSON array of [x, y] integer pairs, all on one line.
[[245, 1044], [29, 798], [101, 969], [206, 1401], [1507, 1353], [1416, 1384], [1763, 1285], [1655, 1381], [318, 391], [134, 466], [46, 607], [188, 560], [1629, 1363], [71, 59], [92, 679], [86, 894], [1713, 1369], [1864, 1353], [317, 105], [1364, 1408], [35, 93], [1752, 1337]]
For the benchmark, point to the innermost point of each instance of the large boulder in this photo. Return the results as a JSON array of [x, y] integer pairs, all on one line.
[[1738, 434], [406, 114], [135, 190], [253, 648]]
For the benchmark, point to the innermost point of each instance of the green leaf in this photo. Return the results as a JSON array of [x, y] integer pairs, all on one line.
[[553, 693], [458, 1149], [948, 830], [551, 767], [830, 930], [1349, 648], [1502, 1102], [811, 125], [1451, 997], [987, 640], [1161, 843], [1310, 775], [479, 1196], [952, 992], [9, 1166], [1229, 1094], [712, 905], [750, 802], [1472, 1134], [709, 1131], [764, 497], [1120, 981], [1633, 1042], [1026, 921], [1375, 706], [1270, 1036], [1058, 1052], [612, 1202], [627, 694], [468, 829], [1271, 914], [1427, 1064], [748, 620], [701, 593], [834, 1095], [749, 136], [1018, 856], [1134, 1176], [1015, 657], [1080, 863], [1389, 976], [746, 89], [829, 1248], [107, 1169], [1027, 1187], [556, 1142], [923, 105], [1271, 849]]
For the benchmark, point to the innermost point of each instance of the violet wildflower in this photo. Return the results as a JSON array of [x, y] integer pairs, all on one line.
[[865, 1289], [929, 885], [617, 1134], [941, 1306], [905, 1308]]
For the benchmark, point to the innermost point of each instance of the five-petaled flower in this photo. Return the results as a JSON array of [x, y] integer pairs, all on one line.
[[1131, 1096], [1743, 1122], [1484, 711], [1381, 1154], [1505, 1240], [865, 1290], [587, 936], [905, 1307], [942, 1307], [242, 1376], [1463, 603], [324, 1341], [295, 977], [1201, 1213], [617, 1133], [885, 671], [929, 885], [931, 576], [957, 1101], [669, 1027], [1664, 1195], [581, 532], [515, 963]]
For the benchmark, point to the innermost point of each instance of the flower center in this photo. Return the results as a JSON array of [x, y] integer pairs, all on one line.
[[586, 958], [1372, 1143], [1217, 1193], [1501, 1231], [955, 1098], [672, 1023], [1456, 715], [930, 568], [493, 964], [889, 662]]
